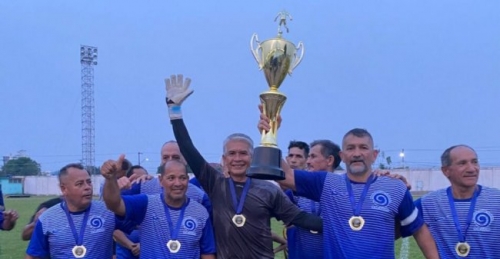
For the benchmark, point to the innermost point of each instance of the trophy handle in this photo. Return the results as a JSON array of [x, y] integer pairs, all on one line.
[[300, 47], [255, 51]]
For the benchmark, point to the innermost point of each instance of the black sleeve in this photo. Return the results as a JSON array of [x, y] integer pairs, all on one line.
[[308, 221], [204, 172]]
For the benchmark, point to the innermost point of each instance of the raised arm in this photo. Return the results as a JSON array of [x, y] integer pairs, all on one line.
[[111, 190], [177, 91]]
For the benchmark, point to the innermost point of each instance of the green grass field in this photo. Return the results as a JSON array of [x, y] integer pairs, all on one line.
[[12, 247]]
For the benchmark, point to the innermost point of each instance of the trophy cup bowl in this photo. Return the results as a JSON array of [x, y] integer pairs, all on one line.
[[277, 57]]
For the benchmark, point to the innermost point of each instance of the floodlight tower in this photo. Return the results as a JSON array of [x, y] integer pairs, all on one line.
[[88, 59]]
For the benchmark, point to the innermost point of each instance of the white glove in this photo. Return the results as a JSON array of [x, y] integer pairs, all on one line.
[[177, 91]]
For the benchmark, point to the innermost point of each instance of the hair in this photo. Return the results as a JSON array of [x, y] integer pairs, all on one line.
[[238, 137], [300, 145], [162, 166], [126, 165], [446, 156], [130, 171], [169, 142], [360, 133], [328, 148], [64, 171]]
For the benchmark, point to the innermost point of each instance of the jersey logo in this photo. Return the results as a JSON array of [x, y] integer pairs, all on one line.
[[482, 220], [381, 201], [96, 224], [189, 225]]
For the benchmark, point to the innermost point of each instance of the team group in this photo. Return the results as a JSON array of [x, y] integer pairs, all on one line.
[[222, 213]]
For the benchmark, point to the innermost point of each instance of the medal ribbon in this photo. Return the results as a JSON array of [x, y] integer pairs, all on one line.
[[461, 237], [238, 206], [356, 208], [174, 232], [78, 238]]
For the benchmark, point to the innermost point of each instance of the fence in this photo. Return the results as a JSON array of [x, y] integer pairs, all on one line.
[[421, 181]]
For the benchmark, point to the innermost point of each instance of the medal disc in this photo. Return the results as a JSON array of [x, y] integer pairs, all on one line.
[[174, 246], [356, 223], [462, 249], [239, 220], [79, 251]]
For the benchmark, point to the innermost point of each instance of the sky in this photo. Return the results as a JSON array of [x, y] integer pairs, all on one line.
[[419, 75]]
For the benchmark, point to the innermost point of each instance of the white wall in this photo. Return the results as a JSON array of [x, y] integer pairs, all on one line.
[[421, 180]]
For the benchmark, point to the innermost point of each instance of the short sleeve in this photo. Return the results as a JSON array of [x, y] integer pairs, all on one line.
[[135, 207], [39, 244], [207, 241], [408, 214], [310, 184]]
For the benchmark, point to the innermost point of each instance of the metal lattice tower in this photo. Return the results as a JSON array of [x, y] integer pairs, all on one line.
[[88, 59]]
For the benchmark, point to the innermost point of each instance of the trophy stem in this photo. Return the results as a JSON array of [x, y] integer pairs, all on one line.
[[272, 103]]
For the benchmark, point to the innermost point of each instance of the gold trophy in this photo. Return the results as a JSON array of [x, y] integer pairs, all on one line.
[[277, 57]]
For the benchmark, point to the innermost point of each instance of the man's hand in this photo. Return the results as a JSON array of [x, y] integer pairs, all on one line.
[[110, 168], [124, 183], [141, 179], [177, 91], [9, 219], [387, 173], [263, 124], [135, 248]]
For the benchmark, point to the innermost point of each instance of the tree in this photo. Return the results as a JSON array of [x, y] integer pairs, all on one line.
[[21, 166]]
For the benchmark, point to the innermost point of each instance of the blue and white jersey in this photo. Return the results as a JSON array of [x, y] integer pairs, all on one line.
[[302, 244], [53, 238], [153, 187], [195, 235], [387, 201], [483, 234]]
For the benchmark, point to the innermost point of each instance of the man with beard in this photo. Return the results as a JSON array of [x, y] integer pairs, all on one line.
[[463, 218], [360, 209], [242, 207]]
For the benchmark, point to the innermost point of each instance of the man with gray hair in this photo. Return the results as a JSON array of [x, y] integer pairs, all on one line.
[[461, 216], [242, 207]]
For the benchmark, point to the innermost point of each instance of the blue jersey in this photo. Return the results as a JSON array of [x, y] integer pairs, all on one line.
[[387, 201], [125, 253], [153, 187], [195, 235], [483, 233], [195, 182], [301, 242], [1, 220], [52, 236]]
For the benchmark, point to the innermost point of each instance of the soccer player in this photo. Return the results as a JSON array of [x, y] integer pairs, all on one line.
[[242, 207], [297, 154], [28, 229], [359, 209], [171, 224], [463, 218], [127, 245], [302, 243], [170, 151], [78, 227]]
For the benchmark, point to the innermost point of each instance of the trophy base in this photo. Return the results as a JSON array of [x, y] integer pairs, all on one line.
[[266, 164]]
